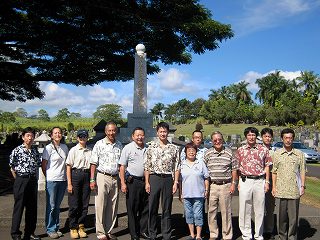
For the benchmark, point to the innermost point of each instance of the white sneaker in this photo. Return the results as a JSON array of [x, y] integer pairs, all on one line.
[[60, 234]]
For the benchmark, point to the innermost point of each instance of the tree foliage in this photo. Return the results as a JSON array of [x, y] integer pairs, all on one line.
[[110, 113], [271, 87], [21, 112], [43, 115], [63, 115], [7, 117], [157, 110], [87, 42]]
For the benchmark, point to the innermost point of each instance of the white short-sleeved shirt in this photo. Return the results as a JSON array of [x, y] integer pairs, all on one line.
[[132, 156], [106, 155], [56, 165], [79, 157]]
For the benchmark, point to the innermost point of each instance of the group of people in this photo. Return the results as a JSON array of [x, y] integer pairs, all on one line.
[[150, 174]]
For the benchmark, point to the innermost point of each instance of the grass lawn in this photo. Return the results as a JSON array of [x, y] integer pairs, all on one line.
[[225, 129], [314, 164], [312, 194]]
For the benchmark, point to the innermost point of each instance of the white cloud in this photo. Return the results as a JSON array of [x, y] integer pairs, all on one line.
[[84, 100], [265, 14], [290, 75], [174, 80], [102, 95], [57, 96]]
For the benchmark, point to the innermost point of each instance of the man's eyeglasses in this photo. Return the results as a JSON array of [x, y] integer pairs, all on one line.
[[218, 140]]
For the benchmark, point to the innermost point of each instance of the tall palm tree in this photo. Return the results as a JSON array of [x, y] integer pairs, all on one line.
[[241, 92], [311, 84], [157, 111], [271, 87]]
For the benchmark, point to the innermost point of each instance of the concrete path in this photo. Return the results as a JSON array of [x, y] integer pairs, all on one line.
[[309, 219]]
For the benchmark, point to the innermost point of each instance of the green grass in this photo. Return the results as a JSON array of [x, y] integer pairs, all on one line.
[[87, 123], [312, 194], [225, 129], [314, 164]]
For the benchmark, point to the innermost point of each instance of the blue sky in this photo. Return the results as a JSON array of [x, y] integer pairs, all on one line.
[[269, 35]]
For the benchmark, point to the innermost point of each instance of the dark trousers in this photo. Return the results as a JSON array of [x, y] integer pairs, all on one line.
[[79, 199], [137, 207], [269, 212], [288, 218], [25, 191], [160, 187]]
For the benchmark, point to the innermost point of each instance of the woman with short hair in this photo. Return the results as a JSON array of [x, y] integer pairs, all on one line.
[[195, 186]]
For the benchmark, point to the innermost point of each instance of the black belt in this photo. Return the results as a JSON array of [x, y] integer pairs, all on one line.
[[108, 174], [81, 170], [253, 176], [139, 178], [220, 182], [27, 175], [162, 175]]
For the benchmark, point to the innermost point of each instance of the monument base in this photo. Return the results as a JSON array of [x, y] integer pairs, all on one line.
[[143, 120]]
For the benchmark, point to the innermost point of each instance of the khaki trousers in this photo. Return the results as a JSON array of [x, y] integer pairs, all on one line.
[[220, 196], [106, 203]]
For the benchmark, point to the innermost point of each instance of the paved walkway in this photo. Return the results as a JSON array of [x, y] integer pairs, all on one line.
[[309, 219]]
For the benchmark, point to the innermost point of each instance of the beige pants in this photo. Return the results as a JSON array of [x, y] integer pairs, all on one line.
[[251, 197], [220, 196], [106, 203]]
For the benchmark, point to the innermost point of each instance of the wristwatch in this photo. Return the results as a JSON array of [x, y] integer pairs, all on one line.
[[304, 186]]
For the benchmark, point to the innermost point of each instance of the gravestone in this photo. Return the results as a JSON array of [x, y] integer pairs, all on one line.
[[140, 117]]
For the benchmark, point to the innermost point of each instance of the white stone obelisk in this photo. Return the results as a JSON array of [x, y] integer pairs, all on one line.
[[140, 116], [140, 80]]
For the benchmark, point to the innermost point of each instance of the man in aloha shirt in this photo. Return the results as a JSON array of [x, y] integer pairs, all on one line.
[[161, 176], [254, 160]]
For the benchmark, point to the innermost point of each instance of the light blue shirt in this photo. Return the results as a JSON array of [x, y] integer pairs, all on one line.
[[193, 177]]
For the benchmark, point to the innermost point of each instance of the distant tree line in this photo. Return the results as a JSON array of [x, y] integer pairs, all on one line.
[[15, 121], [282, 101]]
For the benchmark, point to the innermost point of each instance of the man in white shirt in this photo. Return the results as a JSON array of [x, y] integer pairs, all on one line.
[[104, 160]]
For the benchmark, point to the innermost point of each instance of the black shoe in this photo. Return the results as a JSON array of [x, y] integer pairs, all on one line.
[[135, 238], [31, 237], [34, 237], [268, 236], [16, 237], [145, 236]]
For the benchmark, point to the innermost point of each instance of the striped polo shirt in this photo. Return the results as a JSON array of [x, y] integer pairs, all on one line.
[[220, 164]]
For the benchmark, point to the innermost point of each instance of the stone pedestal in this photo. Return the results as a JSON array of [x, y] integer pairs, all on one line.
[[144, 120]]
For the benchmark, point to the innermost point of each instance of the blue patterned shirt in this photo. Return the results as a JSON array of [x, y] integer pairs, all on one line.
[[25, 161]]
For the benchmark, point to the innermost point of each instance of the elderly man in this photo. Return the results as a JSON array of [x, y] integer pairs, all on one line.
[[133, 184], [104, 159], [254, 160], [288, 177], [222, 167], [162, 174]]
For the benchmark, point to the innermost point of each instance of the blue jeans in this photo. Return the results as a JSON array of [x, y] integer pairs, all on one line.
[[55, 191], [193, 211]]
